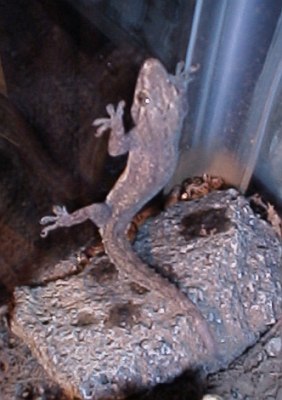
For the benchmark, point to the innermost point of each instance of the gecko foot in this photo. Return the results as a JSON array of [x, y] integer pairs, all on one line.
[[98, 213], [114, 122], [60, 219], [181, 77]]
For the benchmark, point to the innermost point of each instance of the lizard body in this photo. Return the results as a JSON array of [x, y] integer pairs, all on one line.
[[158, 112]]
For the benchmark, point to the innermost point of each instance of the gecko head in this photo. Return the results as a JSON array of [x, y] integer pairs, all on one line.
[[156, 97]]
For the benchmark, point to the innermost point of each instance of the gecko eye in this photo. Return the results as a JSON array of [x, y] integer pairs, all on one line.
[[143, 98]]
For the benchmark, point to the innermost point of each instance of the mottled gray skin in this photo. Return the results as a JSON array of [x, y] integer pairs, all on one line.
[[158, 112]]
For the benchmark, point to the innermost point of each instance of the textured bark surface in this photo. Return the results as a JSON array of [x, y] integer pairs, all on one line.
[[100, 337]]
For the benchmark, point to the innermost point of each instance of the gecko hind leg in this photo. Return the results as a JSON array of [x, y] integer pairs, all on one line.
[[98, 213]]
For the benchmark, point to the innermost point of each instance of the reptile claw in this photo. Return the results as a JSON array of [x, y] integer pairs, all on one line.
[[59, 211], [110, 110], [120, 108], [103, 125], [48, 219], [44, 232], [115, 117], [181, 77], [180, 68]]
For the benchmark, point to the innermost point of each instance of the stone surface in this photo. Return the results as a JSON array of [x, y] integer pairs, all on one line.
[[99, 337], [21, 377], [255, 375], [273, 347]]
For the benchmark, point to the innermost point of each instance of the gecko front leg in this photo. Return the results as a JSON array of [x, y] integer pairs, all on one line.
[[99, 213], [119, 142], [181, 77]]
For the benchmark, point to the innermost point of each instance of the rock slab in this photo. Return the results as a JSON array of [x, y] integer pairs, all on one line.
[[102, 337]]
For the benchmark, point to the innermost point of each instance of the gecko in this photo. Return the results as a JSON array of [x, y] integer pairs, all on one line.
[[158, 111]]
